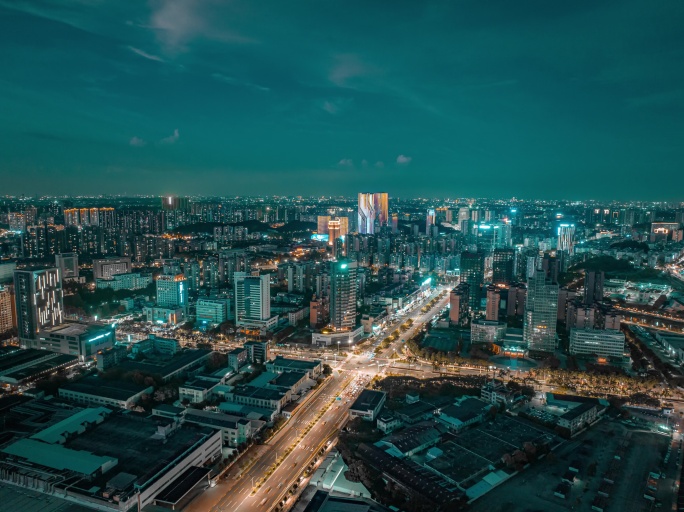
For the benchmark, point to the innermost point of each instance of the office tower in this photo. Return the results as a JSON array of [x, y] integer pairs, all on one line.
[[6, 309], [541, 314], [172, 292], [598, 343], [493, 303], [459, 299], [472, 273], [503, 266], [566, 238], [67, 263], [551, 266], [429, 221], [108, 267], [343, 294], [593, 286], [252, 299], [39, 301], [372, 211], [515, 304]]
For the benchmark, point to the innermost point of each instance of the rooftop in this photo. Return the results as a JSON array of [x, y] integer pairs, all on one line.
[[97, 386], [466, 409], [294, 364], [368, 400]]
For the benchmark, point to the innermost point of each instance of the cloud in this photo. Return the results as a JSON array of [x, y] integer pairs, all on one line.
[[364, 163], [404, 160], [238, 83], [137, 142], [145, 55], [380, 164], [346, 162], [171, 139], [336, 105], [177, 22], [346, 68]]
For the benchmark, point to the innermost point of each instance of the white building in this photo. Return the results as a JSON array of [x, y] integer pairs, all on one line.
[[487, 331], [597, 342], [253, 301], [129, 281], [108, 267], [212, 311]]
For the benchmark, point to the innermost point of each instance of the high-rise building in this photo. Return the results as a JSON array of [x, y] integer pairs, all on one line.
[[515, 303], [430, 220], [493, 303], [253, 300], [593, 286], [541, 313], [472, 273], [503, 266], [172, 291], [458, 305], [373, 211], [6, 310], [67, 263], [108, 267], [343, 294], [566, 238], [39, 301]]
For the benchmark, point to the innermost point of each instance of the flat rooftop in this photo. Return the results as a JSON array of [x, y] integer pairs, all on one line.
[[262, 393], [25, 500], [294, 364], [180, 360], [132, 439], [106, 388], [368, 399]]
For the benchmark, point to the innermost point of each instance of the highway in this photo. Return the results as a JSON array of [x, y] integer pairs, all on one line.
[[253, 483]]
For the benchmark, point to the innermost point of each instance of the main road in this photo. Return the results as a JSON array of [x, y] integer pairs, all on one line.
[[262, 478]]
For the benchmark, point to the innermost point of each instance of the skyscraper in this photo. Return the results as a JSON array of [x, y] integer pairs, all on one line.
[[253, 300], [493, 303], [472, 273], [430, 220], [541, 313], [373, 211], [503, 265], [566, 237], [458, 305], [593, 286], [343, 294], [39, 301]]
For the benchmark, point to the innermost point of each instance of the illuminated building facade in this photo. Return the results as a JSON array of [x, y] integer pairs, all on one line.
[[472, 273], [566, 238], [6, 310], [373, 211], [108, 267], [541, 313], [172, 292], [39, 302], [343, 294], [253, 301]]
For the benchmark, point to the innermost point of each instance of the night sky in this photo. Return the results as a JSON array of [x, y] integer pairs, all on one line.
[[533, 99]]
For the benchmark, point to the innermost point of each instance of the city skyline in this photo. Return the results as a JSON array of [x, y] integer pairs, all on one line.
[[185, 98]]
